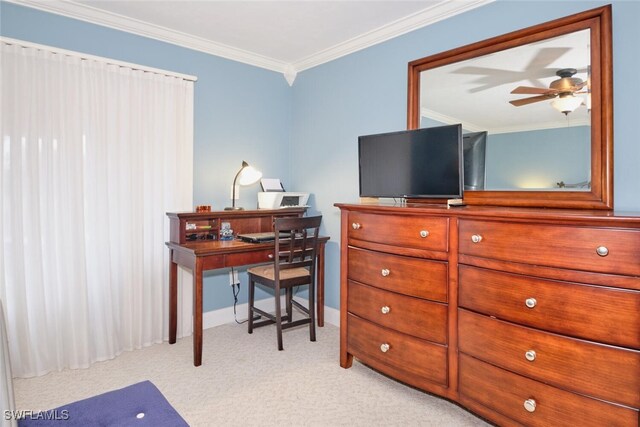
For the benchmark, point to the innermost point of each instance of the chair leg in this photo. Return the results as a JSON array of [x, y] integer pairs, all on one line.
[[312, 311], [278, 317], [289, 297], [252, 288]]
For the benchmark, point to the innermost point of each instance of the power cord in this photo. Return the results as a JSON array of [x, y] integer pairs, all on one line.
[[235, 299]]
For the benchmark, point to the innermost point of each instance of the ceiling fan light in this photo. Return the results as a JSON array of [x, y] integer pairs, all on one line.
[[567, 103]]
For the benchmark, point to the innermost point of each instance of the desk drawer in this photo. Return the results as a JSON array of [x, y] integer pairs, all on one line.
[[555, 246], [246, 258], [606, 372], [595, 313], [398, 230], [406, 356], [413, 316], [406, 275]]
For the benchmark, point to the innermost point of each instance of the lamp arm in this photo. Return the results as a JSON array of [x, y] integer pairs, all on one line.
[[233, 191]]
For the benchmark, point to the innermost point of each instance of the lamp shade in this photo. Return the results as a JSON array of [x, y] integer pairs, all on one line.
[[248, 175], [566, 103]]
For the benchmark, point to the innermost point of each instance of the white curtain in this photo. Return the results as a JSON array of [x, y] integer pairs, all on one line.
[[7, 402], [93, 156]]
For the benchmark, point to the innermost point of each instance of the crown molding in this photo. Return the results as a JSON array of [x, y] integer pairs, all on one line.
[[443, 10], [119, 22], [438, 12], [473, 127], [449, 120]]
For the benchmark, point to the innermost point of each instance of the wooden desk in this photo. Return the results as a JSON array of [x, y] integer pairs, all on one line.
[[207, 252]]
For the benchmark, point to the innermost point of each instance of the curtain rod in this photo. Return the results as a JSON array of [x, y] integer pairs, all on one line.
[[83, 56]]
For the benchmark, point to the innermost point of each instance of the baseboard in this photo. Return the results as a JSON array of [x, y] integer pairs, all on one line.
[[225, 315]]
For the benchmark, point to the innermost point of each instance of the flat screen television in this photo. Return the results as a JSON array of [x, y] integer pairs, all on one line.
[[421, 163]]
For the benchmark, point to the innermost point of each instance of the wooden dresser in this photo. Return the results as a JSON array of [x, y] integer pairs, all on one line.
[[523, 316]]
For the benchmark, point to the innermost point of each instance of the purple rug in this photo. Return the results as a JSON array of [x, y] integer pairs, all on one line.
[[139, 404]]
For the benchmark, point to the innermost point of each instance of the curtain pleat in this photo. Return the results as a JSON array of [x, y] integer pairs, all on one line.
[[93, 156]]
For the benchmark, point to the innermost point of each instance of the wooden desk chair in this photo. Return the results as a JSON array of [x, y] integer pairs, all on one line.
[[296, 246]]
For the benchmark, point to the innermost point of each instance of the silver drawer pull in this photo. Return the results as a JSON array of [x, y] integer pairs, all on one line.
[[530, 302], [530, 355], [385, 272], [530, 405], [270, 256], [602, 251], [476, 238], [384, 347], [356, 226], [424, 233], [385, 309]]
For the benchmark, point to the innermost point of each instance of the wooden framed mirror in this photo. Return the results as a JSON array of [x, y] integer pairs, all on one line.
[[541, 99]]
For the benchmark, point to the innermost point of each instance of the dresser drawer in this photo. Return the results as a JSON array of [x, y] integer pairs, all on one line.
[[413, 316], [555, 246], [506, 393], [398, 230], [406, 275], [596, 313], [597, 370], [405, 356]]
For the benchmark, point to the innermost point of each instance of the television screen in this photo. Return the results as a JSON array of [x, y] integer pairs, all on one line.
[[416, 163]]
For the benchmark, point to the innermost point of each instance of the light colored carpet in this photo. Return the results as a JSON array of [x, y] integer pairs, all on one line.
[[244, 380]]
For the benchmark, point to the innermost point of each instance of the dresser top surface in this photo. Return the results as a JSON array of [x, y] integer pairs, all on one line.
[[496, 212]]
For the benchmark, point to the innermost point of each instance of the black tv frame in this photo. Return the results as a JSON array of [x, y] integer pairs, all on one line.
[[414, 167]]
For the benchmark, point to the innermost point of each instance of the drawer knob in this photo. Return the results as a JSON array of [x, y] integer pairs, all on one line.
[[530, 405], [384, 347], [385, 272], [476, 238], [270, 256], [356, 226], [530, 302], [602, 251], [530, 355], [385, 309], [424, 233]]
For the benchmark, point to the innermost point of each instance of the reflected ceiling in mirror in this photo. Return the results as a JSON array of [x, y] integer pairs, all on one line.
[[476, 92]]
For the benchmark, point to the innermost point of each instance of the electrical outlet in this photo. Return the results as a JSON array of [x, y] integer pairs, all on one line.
[[233, 277]]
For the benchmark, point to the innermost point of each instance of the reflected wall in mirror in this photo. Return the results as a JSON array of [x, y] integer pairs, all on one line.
[[535, 106]]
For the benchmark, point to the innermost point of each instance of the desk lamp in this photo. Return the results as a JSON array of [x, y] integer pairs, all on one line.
[[247, 175]]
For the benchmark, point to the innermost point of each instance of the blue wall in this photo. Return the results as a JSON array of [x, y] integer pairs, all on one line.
[[243, 112], [536, 159]]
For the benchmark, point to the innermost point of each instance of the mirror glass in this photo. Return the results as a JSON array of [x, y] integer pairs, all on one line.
[[526, 113]]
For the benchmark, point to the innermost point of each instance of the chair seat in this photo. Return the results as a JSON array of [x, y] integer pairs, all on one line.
[[268, 272]]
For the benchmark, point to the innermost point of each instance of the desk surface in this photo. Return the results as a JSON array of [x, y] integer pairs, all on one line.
[[218, 247]]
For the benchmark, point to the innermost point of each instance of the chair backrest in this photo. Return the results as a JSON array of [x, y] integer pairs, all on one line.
[[296, 242]]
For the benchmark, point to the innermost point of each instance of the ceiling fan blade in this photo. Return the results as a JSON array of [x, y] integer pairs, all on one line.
[[525, 101], [528, 90], [578, 86]]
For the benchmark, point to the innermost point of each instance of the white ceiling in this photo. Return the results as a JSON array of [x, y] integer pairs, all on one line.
[[284, 36]]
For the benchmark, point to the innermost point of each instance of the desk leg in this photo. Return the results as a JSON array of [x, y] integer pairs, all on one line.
[[320, 298], [173, 299], [197, 312]]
